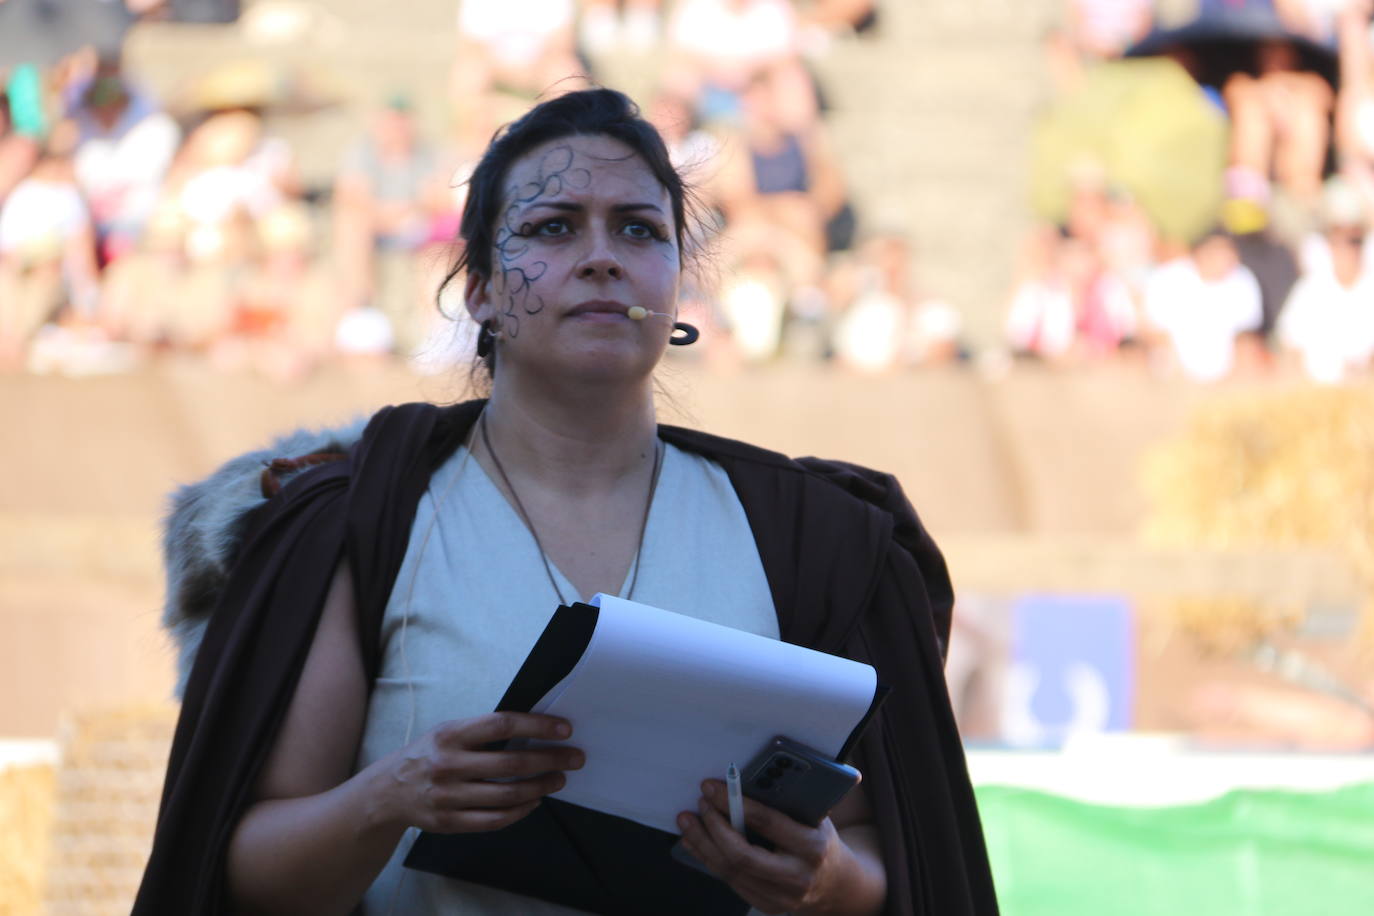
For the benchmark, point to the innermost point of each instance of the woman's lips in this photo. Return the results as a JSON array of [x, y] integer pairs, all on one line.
[[603, 311]]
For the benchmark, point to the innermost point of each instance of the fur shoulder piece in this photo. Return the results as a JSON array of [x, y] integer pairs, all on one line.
[[205, 524]]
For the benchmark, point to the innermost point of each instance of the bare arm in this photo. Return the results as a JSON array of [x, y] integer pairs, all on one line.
[[352, 228], [1352, 40], [316, 837], [827, 180], [17, 156], [310, 820]]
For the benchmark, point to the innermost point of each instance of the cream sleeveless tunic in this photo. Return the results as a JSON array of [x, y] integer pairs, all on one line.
[[472, 597]]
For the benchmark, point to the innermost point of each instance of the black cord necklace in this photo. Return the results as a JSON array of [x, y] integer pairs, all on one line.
[[529, 524]]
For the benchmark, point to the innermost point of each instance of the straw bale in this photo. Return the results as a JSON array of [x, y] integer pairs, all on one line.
[[108, 786], [1286, 468], [26, 797]]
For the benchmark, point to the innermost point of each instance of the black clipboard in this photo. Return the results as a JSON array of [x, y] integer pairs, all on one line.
[[574, 856], [564, 853]]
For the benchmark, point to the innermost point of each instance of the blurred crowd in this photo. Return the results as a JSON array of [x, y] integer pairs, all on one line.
[[1278, 276], [133, 226]]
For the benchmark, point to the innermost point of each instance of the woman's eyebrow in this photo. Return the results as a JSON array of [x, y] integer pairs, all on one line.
[[630, 208], [572, 207]]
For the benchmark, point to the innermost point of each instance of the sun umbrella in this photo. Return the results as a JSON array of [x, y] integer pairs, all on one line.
[[1222, 36], [1149, 129]]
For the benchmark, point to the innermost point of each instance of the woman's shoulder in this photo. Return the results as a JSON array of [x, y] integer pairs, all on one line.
[[202, 514], [203, 517], [843, 480], [207, 520], [715, 447], [841, 506]]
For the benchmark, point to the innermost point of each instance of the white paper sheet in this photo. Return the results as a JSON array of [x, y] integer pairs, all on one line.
[[661, 701]]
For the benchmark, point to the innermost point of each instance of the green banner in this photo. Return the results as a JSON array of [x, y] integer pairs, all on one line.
[[1247, 853]]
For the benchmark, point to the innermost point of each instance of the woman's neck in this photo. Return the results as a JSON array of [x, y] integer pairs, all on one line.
[[576, 442]]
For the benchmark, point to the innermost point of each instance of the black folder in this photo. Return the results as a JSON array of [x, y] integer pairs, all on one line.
[[571, 855]]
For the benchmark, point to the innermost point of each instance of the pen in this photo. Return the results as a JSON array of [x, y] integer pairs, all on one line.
[[735, 794]]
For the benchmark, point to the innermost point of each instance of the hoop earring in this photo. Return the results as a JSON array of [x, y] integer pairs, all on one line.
[[689, 334], [486, 340]]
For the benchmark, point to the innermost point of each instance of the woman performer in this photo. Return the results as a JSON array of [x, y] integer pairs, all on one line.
[[378, 603]]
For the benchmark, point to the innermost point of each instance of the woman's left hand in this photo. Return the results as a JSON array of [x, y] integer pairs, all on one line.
[[811, 871]]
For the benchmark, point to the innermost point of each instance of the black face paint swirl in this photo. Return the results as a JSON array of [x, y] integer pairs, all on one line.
[[556, 173]]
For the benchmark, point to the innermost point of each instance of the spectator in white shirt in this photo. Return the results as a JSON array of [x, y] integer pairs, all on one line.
[[47, 255], [125, 146], [1328, 320], [1201, 304], [525, 46], [1068, 307], [717, 46], [1342, 204]]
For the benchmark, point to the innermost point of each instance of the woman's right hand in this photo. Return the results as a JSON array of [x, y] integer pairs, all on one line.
[[318, 832], [446, 781]]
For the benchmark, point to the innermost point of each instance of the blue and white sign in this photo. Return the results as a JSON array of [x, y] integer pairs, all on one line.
[[1072, 668]]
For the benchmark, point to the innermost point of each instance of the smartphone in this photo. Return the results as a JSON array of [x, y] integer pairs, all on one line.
[[792, 778], [798, 781]]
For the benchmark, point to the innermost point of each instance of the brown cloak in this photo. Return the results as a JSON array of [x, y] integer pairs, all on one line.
[[851, 569]]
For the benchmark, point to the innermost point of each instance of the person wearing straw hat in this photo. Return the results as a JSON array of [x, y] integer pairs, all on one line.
[[1327, 323]]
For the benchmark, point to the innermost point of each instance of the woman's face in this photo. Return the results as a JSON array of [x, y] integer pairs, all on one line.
[[585, 232]]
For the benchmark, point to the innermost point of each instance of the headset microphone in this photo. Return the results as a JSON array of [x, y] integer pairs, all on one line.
[[682, 333]]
